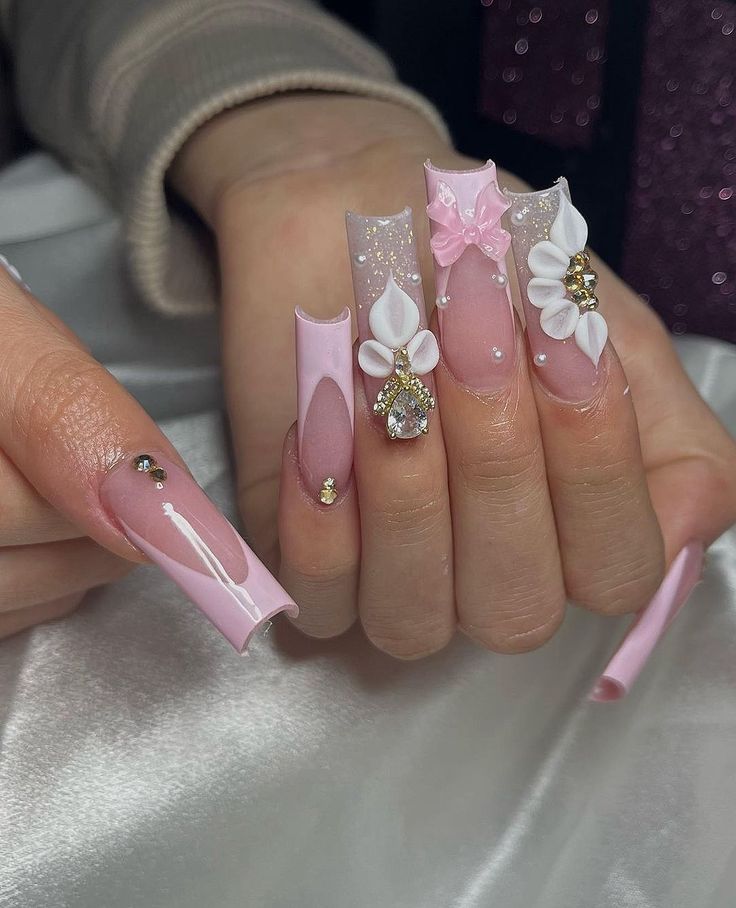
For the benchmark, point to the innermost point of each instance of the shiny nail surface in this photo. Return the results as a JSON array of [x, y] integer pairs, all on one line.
[[567, 335], [325, 406], [469, 246], [397, 353], [165, 514], [13, 272], [650, 625]]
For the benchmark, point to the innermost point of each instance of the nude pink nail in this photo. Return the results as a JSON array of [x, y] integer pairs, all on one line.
[[165, 514], [469, 247], [397, 353], [650, 625], [325, 406], [567, 335]]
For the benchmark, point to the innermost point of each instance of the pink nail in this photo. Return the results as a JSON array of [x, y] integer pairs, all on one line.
[[324, 368], [473, 301], [397, 353], [165, 514], [649, 626], [566, 334]]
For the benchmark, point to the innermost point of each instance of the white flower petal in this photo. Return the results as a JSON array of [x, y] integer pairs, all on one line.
[[375, 359], [548, 260], [569, 230], [591, 335], [424, 354], [559, 319], [542, 291], [394, 317]]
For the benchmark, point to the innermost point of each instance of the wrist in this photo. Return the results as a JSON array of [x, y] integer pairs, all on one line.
[[288, 133]]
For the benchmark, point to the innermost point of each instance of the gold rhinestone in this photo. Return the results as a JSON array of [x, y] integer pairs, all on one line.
[[328, 492], [143, 463]]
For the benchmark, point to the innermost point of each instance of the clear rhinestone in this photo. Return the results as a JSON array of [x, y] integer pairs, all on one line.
[[498, 355], [360, 258], [406, 418]]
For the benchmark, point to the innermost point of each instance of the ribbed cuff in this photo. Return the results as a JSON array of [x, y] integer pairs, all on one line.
[[228, 54]]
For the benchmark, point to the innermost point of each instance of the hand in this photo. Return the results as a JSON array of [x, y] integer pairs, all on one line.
[[64, 421], [498, 545]]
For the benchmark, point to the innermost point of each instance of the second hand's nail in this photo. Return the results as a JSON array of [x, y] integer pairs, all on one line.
[[14, 273], [469, 246], [166, 515], [567, 334], [324, 369], [397, 353], [648, 628]]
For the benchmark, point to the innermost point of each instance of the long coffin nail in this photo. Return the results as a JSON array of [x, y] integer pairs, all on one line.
[[324, 371], [648, 628], [13, 272], [567, 335], [396, 346], [469, 246], [165, 514]]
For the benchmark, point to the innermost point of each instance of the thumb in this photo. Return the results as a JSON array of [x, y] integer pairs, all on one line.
[[90, 449]]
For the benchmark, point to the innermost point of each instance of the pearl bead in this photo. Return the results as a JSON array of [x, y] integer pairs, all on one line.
[[415, 278], [442, 302], [500, 279], [517, 217], [540, 359], [360, 258], [498, 355]]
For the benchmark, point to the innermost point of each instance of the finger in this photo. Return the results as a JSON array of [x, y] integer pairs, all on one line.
[[90, 450], [320, 551], [406, 588], [32, 574], [319, 529], [610, 540], [509, 588], [22, 619], [25, 517]]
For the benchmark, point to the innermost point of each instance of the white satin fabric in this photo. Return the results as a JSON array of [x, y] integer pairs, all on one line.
[[144, 765]]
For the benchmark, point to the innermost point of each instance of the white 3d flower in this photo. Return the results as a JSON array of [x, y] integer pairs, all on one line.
[[563, 286], [394, 323]]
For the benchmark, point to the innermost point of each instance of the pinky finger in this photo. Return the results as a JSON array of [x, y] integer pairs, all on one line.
[[320, 551], [21, 619], [319, 528]]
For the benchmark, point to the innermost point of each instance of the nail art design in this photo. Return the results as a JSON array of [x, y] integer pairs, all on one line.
[[166, 515], [650, 625], [564, 283], [325, 403], [396, 346], [469, 246], [558, 286]]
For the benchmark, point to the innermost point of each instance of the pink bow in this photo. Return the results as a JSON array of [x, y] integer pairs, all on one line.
[[456, 233]]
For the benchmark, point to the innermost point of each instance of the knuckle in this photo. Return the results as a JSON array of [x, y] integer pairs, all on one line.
[[59, 395], [418, 506], [518, 629], [498, 470], [410, 643], [628, 589]]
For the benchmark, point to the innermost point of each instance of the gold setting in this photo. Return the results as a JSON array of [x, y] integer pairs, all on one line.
[[581, 281], [403, 379], [328, 493], [144, 463]]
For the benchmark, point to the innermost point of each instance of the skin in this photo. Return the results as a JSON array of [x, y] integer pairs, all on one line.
[[488, 511]]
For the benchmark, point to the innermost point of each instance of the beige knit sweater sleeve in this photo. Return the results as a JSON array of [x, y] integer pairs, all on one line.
[[116, 87]]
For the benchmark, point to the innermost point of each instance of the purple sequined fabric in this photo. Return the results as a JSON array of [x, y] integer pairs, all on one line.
[[543, 75], [681, 237], [542, 70]]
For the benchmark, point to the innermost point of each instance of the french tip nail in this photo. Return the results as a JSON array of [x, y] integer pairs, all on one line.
[[650, 625], [167, 516]]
